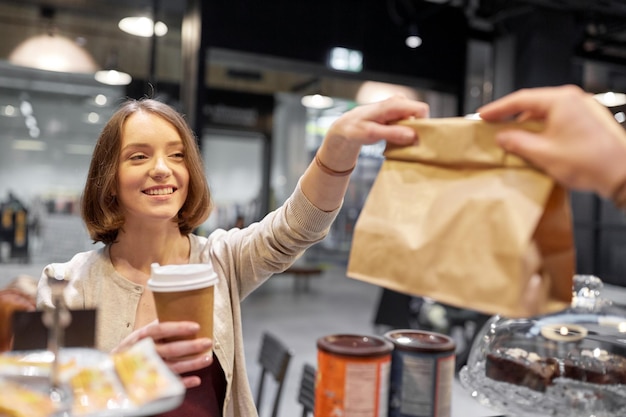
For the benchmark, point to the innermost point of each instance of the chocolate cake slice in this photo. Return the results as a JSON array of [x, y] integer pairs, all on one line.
[[596, 367], [520, 367]]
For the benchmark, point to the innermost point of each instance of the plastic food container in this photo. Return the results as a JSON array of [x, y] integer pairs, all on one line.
[[570, 363]]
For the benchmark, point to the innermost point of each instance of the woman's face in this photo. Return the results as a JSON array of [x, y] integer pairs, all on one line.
[[153, 178]]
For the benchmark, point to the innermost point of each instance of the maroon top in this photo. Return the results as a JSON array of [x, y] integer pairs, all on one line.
[[205, 400]]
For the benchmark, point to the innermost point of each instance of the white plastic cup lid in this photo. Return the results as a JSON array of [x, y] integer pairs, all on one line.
[[170, 278]]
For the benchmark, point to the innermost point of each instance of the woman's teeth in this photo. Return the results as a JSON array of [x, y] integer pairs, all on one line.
[[160, 191]]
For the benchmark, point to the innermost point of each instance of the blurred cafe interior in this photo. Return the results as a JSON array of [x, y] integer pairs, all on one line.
[[240, 70], [260, 82]]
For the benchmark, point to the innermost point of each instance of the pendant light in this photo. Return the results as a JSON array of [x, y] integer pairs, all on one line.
[[52, 52], [142, 26], [111, 74]]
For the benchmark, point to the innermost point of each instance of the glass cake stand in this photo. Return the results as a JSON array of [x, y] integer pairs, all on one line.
[[566, 364]]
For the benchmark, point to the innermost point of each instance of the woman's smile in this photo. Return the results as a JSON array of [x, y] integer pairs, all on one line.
[[160, 191]]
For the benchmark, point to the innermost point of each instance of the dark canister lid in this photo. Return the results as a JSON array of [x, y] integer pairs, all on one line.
[[354, 345], [420, 341]]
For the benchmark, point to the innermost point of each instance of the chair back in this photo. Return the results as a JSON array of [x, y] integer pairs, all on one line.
[[306, 393], [274, 358]]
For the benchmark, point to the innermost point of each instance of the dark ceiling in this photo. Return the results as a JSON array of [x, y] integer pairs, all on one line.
[[596, 29], [604, 21], [109, 8]]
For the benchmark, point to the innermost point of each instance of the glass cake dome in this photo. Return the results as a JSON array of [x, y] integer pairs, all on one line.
[[570, 363]]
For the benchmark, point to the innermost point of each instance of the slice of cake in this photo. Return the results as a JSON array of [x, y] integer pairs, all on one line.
[[520, 367], [595, 366]]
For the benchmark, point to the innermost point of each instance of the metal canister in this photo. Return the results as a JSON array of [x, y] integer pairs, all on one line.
[[352, 376], [422, 373]]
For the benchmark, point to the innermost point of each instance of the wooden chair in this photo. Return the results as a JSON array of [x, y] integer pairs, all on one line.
[[306, 393], [274, 358]]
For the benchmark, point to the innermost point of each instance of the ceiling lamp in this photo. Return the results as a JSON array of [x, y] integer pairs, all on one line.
[[111, 74], [317, 101], [413, 39], [611, 99], [374, 91], [53, 53], [142, 26], [113, 77]]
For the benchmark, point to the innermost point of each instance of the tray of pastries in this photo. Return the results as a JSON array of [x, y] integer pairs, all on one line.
[[88, 383]]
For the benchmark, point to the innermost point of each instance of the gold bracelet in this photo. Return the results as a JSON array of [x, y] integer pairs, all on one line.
[[331, 171], [619, 196]]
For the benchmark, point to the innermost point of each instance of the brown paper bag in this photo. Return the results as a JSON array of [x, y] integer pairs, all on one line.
[[457, 219]]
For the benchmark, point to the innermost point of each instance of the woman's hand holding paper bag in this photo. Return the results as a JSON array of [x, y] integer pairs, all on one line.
[[327, 178]]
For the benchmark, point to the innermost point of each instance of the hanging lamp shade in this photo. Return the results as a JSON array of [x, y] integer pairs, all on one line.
[[373, 91], [53, 52], [113, 77], [142, 26], [111, 74]]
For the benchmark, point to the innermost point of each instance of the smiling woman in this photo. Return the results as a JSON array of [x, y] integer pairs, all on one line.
[[146, 192]]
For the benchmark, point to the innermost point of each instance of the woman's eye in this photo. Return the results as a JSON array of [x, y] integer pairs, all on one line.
[[137, 157], [178, 155]]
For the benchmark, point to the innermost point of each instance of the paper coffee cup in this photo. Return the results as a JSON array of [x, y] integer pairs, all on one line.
[[184, 293]]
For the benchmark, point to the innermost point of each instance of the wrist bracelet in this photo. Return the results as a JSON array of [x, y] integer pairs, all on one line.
[[619, 196], [331, 171]]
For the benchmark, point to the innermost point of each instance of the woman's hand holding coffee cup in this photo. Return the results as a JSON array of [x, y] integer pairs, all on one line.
[[184, 293], [176, 344]]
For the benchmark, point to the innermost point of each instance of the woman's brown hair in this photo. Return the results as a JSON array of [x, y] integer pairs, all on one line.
[[100, 209]]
